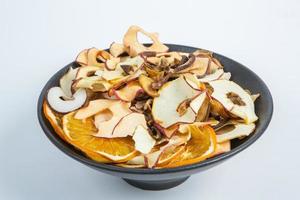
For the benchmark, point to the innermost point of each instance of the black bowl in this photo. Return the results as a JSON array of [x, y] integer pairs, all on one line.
[[158, 179]]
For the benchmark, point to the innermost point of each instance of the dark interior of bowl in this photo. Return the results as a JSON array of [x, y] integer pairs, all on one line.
[[240, 74]]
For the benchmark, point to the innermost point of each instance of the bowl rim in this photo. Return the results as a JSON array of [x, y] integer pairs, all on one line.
[[60, 144]]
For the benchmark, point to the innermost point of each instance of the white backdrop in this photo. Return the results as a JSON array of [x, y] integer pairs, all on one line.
[[37, 38]]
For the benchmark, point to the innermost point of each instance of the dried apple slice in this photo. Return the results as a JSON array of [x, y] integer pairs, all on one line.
[[143, 140], [146, 83], [222, 148], [92, 54], [217, 109], [197, 102], [135, 62], [138, 160], [93, 108], [235, 130], [66, 81], [103, 116], [199, 67], [122, 122], [127, 125], [131, 42], [203, 53], [117, 83], [185, 63], [111, 63], [54, 98], [103, 55], [116, 74], [86, 71], [95, 83], [82, 57], [153, 73], [212, 77], [164, 59], [193, 82], [170, 96], [129, 92], [152, 158], [214, 65], [173, 54], [226, 76], [235, 99], [117, 49], [119, 109], [168, 132], [255, 96], [201, 106]]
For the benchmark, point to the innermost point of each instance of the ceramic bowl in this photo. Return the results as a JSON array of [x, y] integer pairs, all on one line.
[[158, 179]]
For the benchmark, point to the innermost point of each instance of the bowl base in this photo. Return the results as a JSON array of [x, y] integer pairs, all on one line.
[[156, 185]]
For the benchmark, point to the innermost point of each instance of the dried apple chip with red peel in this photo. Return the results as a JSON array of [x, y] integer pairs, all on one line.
[[82, 57], [146, 84], [127, 125], [129, 92], [92, 55], [93, 108], [170, 96], [117, 49], [86, 71], [94, 83], [234, 130], [168, 132], [134, 47], [212, 77], [121, 122], [66, 81], [235, 99], [119, 110], [112, 63]]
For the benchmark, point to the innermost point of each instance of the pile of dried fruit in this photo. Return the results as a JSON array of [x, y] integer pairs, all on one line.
[[137, 106]]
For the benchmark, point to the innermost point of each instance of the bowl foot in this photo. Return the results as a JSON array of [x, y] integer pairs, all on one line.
[[156, 185]]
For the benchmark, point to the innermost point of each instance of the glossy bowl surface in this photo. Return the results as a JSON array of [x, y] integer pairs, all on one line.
[[156, 179]]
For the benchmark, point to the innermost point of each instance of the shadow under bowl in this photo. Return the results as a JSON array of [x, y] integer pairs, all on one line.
[[159, 179]]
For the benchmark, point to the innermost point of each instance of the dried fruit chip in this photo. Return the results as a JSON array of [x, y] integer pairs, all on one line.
[[80, 133], [201, 146], [56, 122], [131, 42]]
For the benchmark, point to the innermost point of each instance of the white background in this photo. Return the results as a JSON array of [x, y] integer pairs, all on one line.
[[37, 38]]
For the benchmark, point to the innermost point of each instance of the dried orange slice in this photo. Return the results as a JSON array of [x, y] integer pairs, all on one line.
[[80, 134], [168, 154], [201, 146], [56, 122]]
